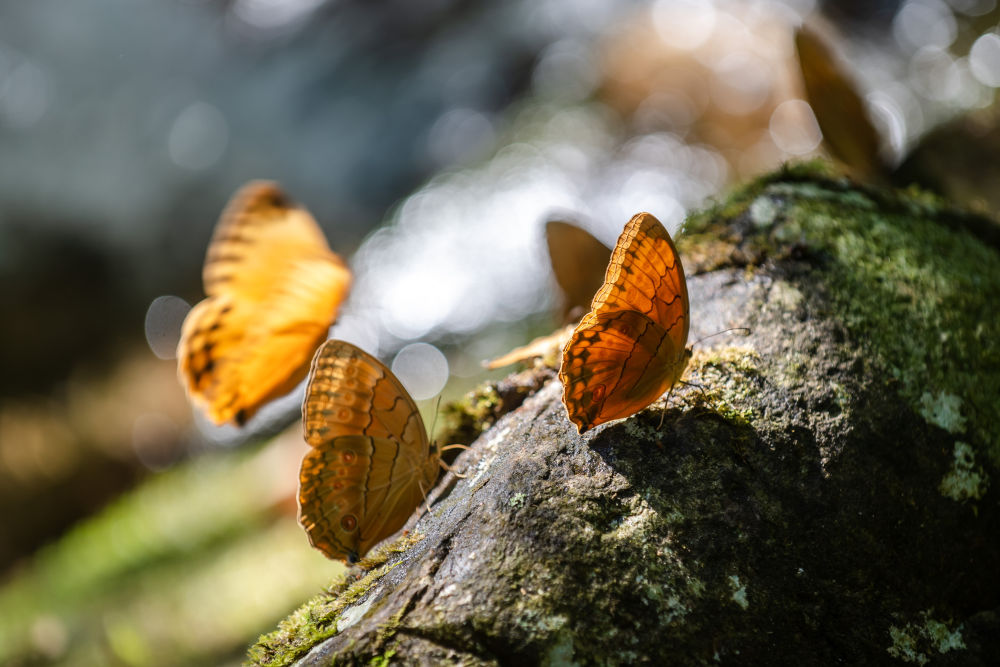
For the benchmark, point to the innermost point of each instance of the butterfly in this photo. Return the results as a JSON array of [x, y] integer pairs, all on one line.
[[370, 462], [957, 159], [848, 132], [578, 262], [631, 347], [273, 289]]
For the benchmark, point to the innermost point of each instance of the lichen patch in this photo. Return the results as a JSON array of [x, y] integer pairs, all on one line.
[[739, 595], [965, 480], [944, 410], [920, 642]]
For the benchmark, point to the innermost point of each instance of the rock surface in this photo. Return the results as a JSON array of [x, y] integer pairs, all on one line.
[[823, 491]]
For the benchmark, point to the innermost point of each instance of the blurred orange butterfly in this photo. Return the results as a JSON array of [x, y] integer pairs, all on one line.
[[630, 348], [274, 288], [370, 461]]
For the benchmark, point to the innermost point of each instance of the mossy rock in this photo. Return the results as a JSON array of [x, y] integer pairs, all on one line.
[[823, 491]]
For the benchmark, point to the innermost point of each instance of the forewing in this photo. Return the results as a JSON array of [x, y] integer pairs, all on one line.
[[351, 392], [645, 275], [259, 230]]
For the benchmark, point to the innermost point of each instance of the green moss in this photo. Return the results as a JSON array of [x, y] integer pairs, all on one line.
[[383, 660], [323, 615], [178, 552], [914, 289], [724, 379], [464, 419]]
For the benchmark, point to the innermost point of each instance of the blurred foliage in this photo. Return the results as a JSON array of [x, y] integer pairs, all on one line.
[[184, 570]]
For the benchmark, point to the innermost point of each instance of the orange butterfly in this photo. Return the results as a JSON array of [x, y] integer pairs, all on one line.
[[371, 462], [630, 347], [274, 288]]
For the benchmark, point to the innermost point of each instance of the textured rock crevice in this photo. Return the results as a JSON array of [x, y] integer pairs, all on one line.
[[799, 502]]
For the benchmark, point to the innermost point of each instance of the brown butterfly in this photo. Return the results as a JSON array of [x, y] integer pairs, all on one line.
[[274, 288], [578, 261], [630, 348], [958, 159], [848, 132], [370, 462]]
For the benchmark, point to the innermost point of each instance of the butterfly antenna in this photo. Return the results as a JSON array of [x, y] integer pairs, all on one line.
[[745, 330]]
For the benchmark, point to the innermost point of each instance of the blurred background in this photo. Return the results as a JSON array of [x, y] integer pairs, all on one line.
[[431, 139]]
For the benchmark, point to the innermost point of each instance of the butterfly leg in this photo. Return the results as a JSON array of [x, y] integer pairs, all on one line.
[[449, 468]]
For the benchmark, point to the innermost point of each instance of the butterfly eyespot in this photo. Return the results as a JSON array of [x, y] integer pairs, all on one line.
[[343, 415], [598, 393], [349, 458], [349, 523], [337, 486]]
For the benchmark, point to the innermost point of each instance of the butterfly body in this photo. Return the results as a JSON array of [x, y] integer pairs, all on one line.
[[370, 462], [273, 289], [630, 348]]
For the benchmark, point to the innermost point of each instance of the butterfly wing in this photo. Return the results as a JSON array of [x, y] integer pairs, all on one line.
[[631, 347], [578, 262], [274, 288], [848, 132], [370, 461]]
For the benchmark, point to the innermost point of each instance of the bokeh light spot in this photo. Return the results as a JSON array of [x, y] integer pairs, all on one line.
[[198, 137], [164, 318], [794, 128], [154, 436], [984, 60], [923, 23], [684, 24], [422, 368], [459, 135]]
